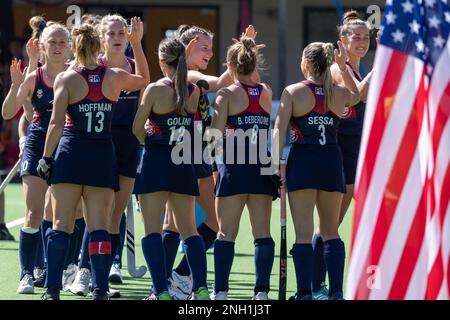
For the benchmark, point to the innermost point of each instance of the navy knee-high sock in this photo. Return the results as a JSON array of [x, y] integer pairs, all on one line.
[[123, 231], [28, 245], [115, 241], [40, 261], [100, 255], [85, 262], [264, 257], [45, 226], [195, 252], [70, 250], [57, 245], [209, 236], [152, 246], [320, 269], [171, 241], [223, 260], [80, 225], [302, 254], [334, 254]]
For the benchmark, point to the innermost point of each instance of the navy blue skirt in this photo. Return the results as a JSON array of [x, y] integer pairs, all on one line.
[[242, 179], [32, 153], [127, 150], [349, 145], [157, 172], [88, 162], [315, 167]]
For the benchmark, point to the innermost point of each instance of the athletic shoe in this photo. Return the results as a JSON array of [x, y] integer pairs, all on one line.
[[162, 296], [115, 274], [39, 277], [5, 234], [201, 294], [298, 297], [113, 293], [322, 294], [261, 296], [336, 296], [99, 294], [180, 287], [80, 285], [50, 294], [26, 285], [221, 295], [69, 276]]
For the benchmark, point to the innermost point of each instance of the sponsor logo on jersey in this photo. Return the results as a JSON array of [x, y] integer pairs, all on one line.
[[319, 91], [253, 91], [93, 78], [295, 134], [151, 128], [39, 93], [348, 113]]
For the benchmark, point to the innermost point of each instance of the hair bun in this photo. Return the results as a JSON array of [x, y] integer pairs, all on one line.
[[350, 15], [84, 30], [248, 43]]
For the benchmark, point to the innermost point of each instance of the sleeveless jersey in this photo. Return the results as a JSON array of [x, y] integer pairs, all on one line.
[[169, 128], [42, 101], [125, 110], [91, 116], [246, 127], [353, 117], [318, 126]]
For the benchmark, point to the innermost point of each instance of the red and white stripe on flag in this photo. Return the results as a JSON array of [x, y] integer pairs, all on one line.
[[400, 245]]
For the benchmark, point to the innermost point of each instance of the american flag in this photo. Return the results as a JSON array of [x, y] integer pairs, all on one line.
[[401, 228]]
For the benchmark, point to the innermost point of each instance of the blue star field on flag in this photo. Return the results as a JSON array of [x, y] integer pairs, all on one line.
[[417, 27]]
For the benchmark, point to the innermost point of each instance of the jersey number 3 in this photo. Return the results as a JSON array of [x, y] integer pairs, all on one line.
[[323, 137]]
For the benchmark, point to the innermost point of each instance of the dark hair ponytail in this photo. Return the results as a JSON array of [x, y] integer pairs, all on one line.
[[173, 53]]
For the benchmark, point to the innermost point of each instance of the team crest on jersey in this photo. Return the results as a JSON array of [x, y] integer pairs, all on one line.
[[152, 128], [295, 133], [319, 91], [253, 91], [39, 93], [94, 78]]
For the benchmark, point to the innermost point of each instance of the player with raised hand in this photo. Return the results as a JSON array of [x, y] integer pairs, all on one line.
[[241, 108], [354, 35], [314, 172], [36, 87], [199, 51], [80, 129], [115, 40], [168, 107]]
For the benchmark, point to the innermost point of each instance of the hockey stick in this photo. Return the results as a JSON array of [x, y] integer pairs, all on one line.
[[131, 258], [10, 176], [283, 251]]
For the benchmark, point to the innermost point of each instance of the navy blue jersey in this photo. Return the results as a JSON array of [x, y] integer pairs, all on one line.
[[42, 101], [353, 117], [169, 128], [318, 126], [125, 110], [91, 116], [250, 121]]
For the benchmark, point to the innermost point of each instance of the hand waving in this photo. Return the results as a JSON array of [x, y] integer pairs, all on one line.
[[340, 56], [136, 31], [17, 76]]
